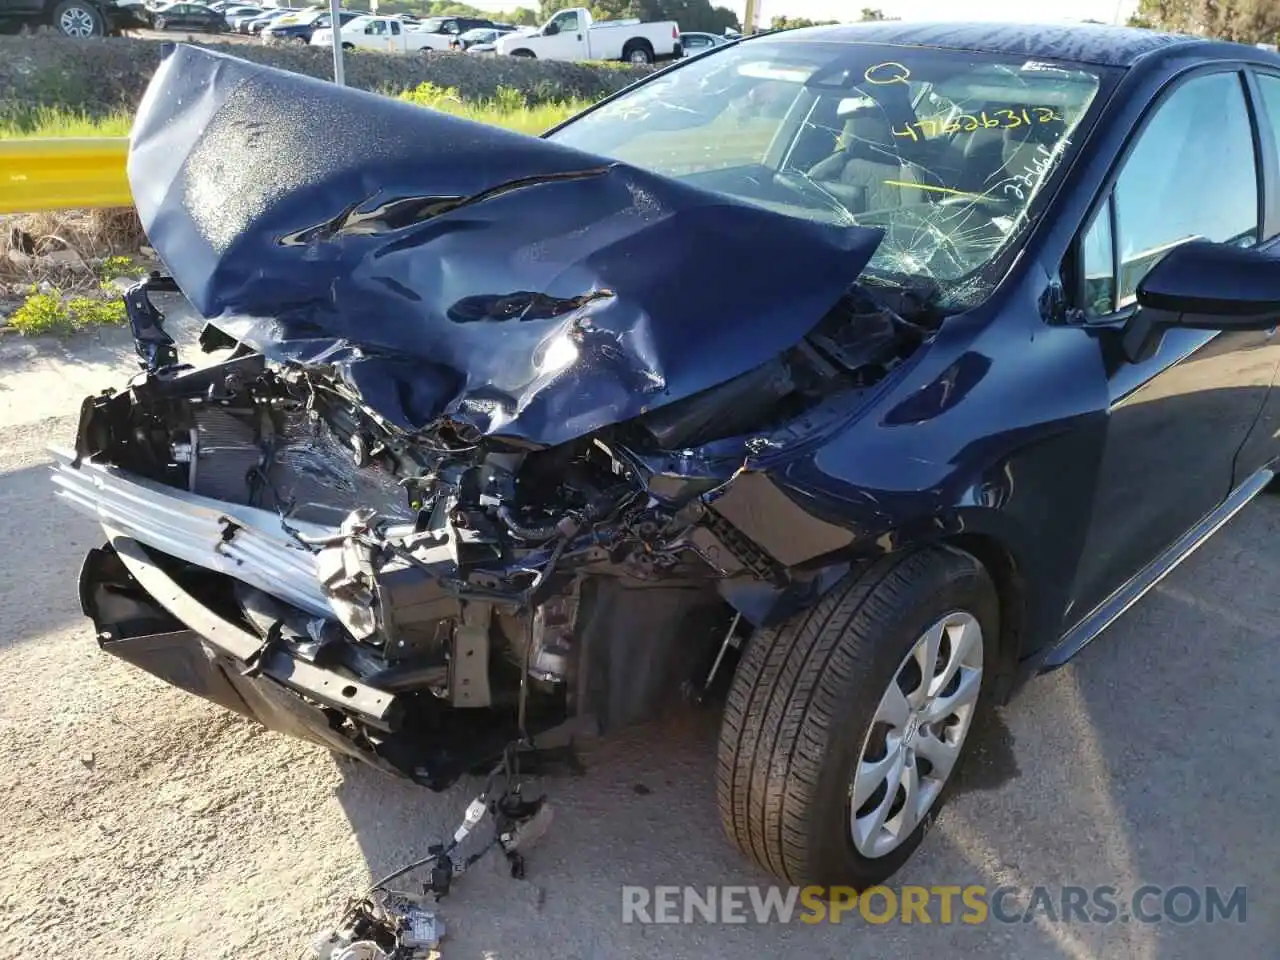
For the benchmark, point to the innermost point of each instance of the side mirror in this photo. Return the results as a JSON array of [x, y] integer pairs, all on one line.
[[1201, 285], [551, 29], [1215, 281]]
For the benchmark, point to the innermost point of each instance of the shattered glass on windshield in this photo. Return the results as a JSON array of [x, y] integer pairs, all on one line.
[[946, 151]]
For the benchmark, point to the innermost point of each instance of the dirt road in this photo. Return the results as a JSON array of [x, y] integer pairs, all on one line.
[[141, 822]]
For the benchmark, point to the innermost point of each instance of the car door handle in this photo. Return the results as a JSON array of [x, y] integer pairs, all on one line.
[[579, 36]]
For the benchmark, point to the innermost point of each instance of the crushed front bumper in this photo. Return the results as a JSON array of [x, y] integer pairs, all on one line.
[[144, 616], [240, 541]]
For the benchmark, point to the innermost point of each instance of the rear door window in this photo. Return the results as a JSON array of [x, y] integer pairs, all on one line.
[[1269, 86]]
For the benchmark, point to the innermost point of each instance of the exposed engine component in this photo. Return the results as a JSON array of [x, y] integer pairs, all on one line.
[[550, 658], [383, 926], [451, 572]]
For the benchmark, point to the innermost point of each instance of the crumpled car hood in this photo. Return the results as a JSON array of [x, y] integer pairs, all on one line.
[[442, 267]]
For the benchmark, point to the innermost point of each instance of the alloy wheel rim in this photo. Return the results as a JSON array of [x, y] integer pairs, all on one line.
[[76, 22], [639, 56], [916, 735]]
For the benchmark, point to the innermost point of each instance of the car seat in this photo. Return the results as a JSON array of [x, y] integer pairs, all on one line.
[[867, 172]]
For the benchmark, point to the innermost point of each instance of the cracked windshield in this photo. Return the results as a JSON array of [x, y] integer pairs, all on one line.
[[945, 151]]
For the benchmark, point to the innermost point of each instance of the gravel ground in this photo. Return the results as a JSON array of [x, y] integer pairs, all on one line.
[[142, 822]]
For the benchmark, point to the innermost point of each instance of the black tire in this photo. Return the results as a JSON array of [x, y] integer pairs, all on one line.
[[348, 46], [801, 704], [526, 54], [76, 18], [637, 51]]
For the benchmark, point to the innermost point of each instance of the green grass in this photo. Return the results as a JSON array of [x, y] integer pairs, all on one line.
[[507, 109], [51, 122]]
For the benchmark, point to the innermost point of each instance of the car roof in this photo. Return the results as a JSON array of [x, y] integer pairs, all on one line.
[[1084, 43]]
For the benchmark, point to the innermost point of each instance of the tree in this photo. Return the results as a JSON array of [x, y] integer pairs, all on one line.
[[689, 14], [783, 22], [548, 8], [1244, 21], [521, 17]]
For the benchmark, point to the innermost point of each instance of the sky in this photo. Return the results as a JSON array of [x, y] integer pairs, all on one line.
[[1046, 11], [1043, 12]]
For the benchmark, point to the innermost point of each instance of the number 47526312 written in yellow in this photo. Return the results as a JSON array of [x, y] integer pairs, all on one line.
[[968, 122]]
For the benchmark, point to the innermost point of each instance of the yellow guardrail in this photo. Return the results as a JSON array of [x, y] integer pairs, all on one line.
[[58, 173]]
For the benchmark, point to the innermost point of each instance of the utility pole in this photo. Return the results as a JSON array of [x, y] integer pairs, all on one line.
[[335, 26], [749, 17]]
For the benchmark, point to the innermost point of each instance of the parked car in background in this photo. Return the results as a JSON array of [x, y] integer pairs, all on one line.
[[696, 42], [573, 35], [73, 18], [299, 14], [445, 31], [386, 34], [231, 11], [301, 31], [468, 39], [254, 25], [240, 22], [189, 16], [490, 48]]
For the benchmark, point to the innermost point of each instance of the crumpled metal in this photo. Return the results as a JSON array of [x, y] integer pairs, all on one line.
[[444, 268]]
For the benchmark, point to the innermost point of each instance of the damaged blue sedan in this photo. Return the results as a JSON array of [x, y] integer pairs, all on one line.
[[850, 376]]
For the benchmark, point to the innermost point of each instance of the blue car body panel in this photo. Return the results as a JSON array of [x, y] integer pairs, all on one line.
[[455, 269]]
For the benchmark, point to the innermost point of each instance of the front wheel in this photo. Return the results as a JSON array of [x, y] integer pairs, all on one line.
[[526, 54], [845, 726], [638, 53], [75, 18]]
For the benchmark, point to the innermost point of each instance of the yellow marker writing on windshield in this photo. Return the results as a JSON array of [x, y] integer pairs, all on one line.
[[927, 186], [882, 74]]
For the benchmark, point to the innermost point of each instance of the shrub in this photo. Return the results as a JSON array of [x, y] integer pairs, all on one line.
[[48, 314], [94, 312], [41, 315], [113, 267]]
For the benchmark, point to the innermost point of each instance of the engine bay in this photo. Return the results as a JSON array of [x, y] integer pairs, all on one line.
[[450, 570]]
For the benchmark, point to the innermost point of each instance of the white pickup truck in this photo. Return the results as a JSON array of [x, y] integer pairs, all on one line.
[[381, 33], [571, 35]]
